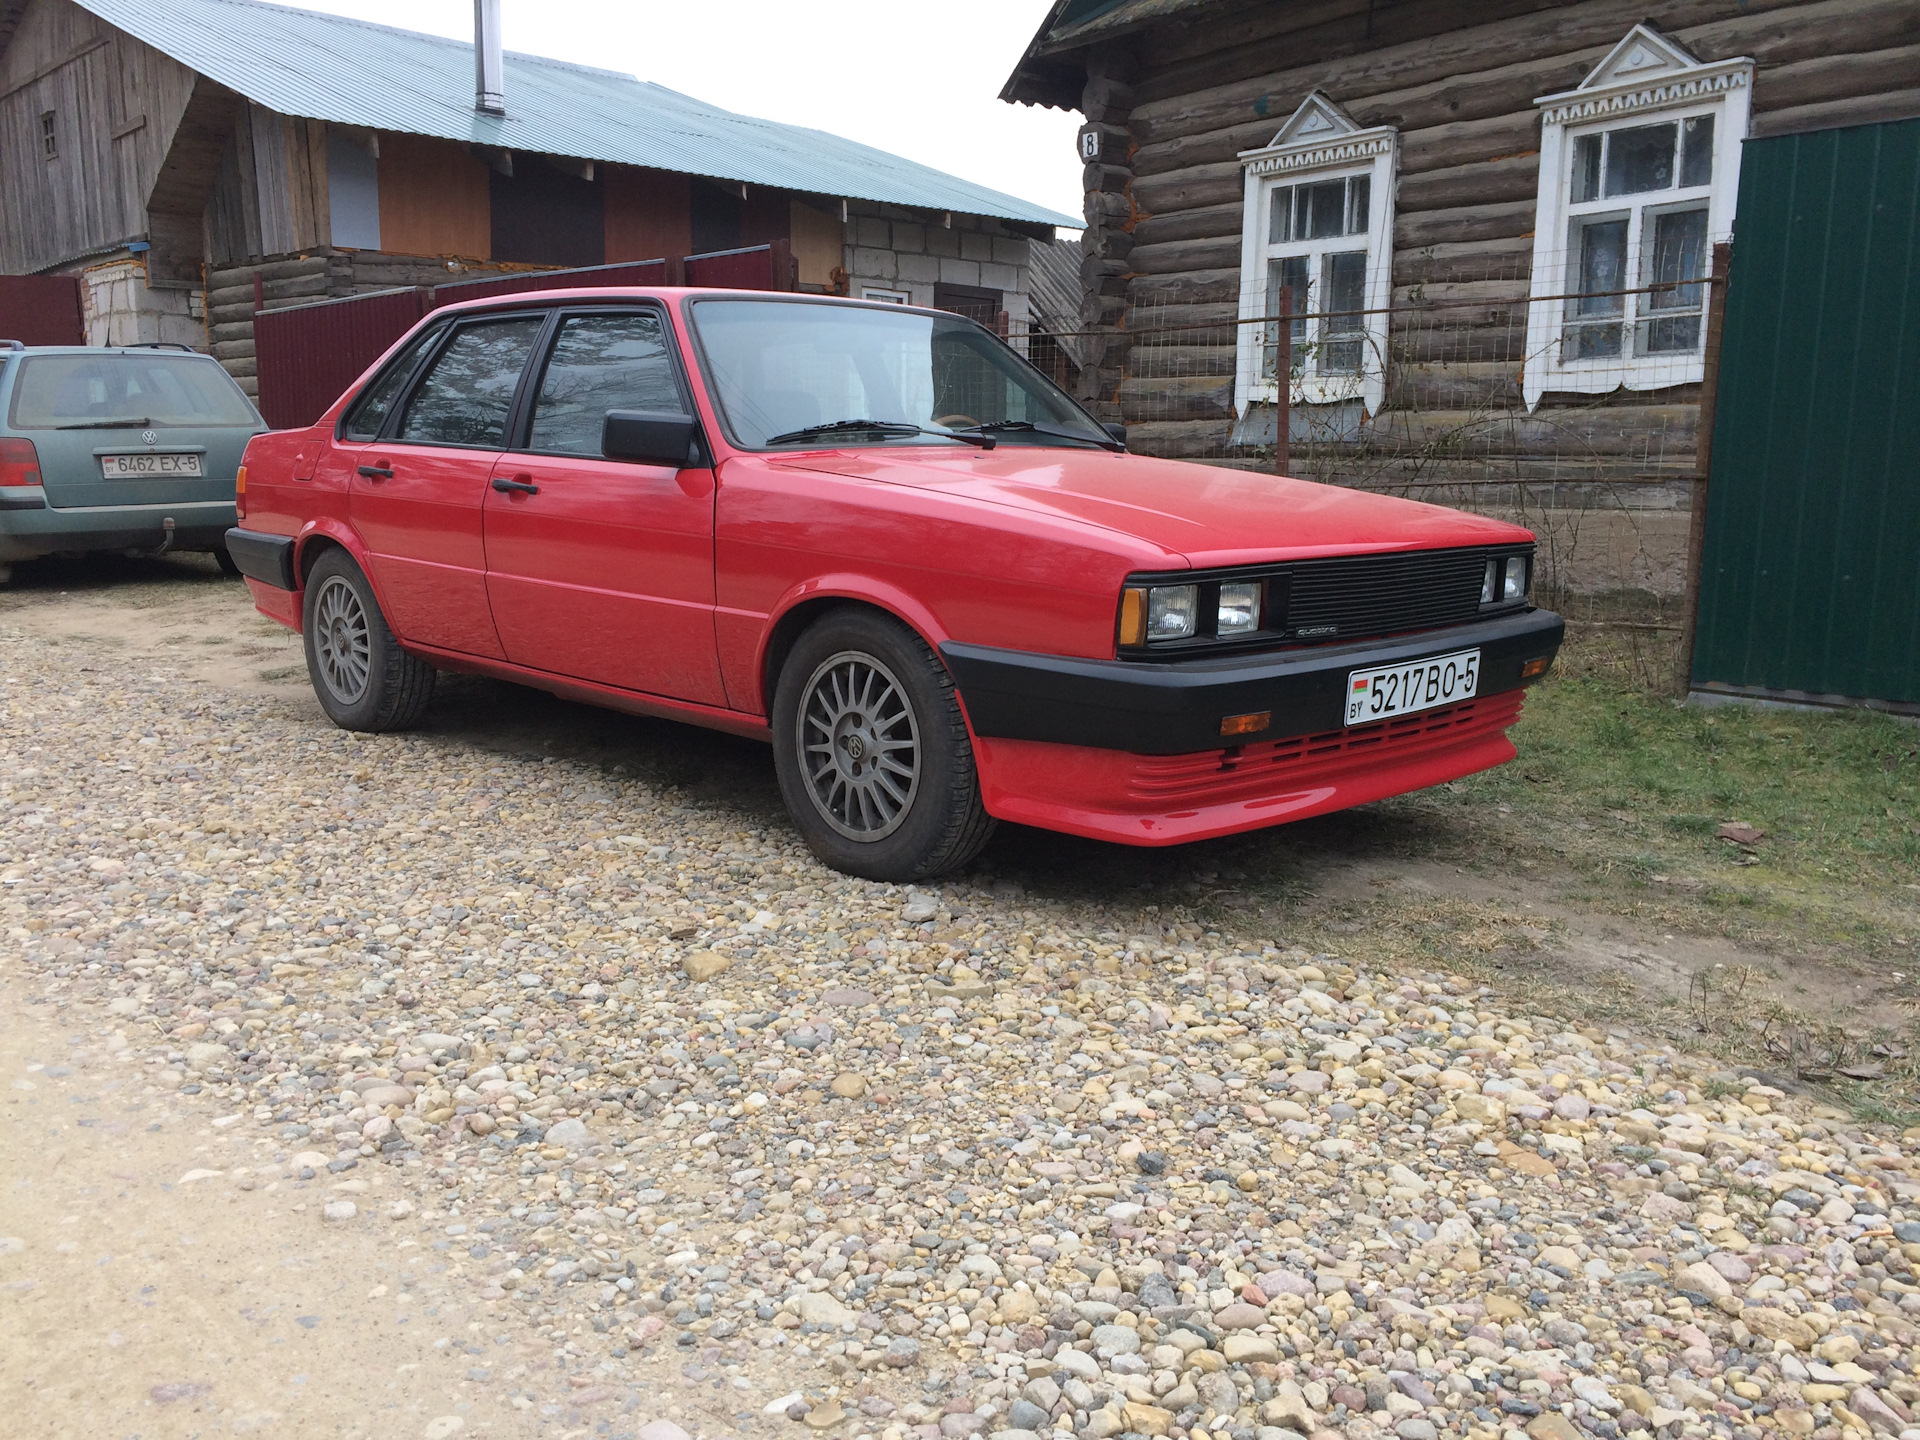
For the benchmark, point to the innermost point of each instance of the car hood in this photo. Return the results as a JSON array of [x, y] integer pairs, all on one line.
[[1204, 514]]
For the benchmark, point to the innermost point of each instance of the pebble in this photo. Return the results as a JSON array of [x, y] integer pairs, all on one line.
[[1067, 1166]]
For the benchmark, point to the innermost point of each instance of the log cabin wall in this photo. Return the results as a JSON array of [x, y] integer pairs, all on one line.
[[115, 105], [1171, 108]]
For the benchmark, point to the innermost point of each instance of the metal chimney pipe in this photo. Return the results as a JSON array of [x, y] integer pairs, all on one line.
[[489, 83]]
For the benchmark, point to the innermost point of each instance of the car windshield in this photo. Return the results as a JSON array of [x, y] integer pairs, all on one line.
[[112, 390], [791, 374]]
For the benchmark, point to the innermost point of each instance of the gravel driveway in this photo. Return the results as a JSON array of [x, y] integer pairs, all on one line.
[[698, 1137]]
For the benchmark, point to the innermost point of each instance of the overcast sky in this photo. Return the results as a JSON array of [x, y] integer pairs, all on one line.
[[916, 78]]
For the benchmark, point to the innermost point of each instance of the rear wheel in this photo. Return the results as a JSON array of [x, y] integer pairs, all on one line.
[[872, 752], [364, 680]]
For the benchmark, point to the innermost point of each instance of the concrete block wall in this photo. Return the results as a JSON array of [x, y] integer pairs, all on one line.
[[120, 308], [896, 249]]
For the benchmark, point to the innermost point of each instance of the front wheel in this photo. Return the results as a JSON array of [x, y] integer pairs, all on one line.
[[364, 680], [872, 752]]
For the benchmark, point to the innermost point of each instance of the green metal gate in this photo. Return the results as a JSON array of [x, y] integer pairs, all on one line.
[[1810, 581]]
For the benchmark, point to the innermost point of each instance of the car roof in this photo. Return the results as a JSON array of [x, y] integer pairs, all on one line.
[[669, 293], [7, 349]]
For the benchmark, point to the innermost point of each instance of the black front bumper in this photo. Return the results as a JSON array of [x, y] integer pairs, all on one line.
[[1175, 707], [263, 557]]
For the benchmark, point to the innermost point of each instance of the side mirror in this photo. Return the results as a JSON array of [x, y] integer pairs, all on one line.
[[1116, 430], [651, 437]]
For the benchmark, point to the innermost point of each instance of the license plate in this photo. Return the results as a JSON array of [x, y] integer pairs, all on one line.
[[132, 467], [1407, 689]]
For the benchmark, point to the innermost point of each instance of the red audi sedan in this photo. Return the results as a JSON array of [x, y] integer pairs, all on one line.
[[878, 538]]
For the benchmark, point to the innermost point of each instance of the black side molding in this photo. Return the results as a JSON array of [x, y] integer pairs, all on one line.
[[266, 558]]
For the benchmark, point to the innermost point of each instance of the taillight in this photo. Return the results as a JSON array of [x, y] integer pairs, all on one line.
[[19, 463], [240, 493]]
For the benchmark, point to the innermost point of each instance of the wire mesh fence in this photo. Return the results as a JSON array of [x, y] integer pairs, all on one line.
[[1574, 413]]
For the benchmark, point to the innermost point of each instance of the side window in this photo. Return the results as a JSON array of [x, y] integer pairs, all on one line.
[[369, 412], [465, 397], [602, 363]]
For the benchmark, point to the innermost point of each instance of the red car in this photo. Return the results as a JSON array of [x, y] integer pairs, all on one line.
[[877, 537]]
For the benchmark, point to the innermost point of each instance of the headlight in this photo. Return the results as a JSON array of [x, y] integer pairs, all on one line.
[[1171, 611], [1516, 581], [1239, 612], [1490, 585]]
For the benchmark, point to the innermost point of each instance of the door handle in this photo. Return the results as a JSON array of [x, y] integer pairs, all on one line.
[[377, 472], [518, 487]]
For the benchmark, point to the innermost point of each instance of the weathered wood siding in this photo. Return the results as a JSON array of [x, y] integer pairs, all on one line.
[[116, 104], [1179, 103]]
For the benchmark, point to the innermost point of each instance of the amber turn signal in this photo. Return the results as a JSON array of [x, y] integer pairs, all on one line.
[[1536, 666], [1133, 617], [1246, 724]]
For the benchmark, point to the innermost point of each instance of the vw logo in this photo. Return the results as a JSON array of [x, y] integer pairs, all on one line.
[[147, 437]]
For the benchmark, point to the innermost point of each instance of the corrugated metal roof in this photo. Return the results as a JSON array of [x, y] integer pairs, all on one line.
[[324, 67]]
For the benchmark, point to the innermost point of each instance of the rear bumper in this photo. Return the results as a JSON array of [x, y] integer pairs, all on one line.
[[1172, 799], [29, 532], [1175, 708], [263, 557]]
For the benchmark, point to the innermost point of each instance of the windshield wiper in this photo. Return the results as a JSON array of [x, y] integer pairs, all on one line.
[[875, 427], [139, 424], [1003, 426]]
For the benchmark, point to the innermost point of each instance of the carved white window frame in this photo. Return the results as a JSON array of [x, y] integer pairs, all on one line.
[[1319, 142], [1645, 78]]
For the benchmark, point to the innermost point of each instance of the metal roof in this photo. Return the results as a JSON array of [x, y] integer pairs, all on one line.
[[350, 72], [1050, 72]]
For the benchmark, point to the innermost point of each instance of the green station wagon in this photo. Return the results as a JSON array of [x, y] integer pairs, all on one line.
[[132, 449]]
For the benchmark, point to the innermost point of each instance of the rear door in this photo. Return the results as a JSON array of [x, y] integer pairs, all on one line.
[[603, 569], [416, 494], [132, 427]]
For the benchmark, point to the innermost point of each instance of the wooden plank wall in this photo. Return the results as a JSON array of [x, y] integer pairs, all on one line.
[[117, 104], [1462, 99]]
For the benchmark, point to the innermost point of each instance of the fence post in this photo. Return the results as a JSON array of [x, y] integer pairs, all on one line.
[[1702, 466], [1283, 374]]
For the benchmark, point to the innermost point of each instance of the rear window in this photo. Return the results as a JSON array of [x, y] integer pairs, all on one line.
[[116, 391]]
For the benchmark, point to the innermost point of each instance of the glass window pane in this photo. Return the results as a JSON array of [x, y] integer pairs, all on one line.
[[1280, 216], [1324, 209], [601, 363], [1586, 168], [466, 396], [1598, 272], [1344, 294], [1359, 193], [1641, 159], [369, 412], [1696, 164], [1674, 254], [1290, 275]]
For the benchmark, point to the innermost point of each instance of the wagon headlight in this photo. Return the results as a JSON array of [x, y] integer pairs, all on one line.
[[1239, 612]]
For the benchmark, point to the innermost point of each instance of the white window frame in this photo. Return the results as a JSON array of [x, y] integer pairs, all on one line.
[[1646, 79], [1319, 142]]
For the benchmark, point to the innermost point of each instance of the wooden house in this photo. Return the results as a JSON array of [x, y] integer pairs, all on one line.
[[193, 161], [1491, 224]]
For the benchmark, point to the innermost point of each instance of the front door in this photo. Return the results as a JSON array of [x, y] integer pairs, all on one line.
[[602, 570], [417, 496]]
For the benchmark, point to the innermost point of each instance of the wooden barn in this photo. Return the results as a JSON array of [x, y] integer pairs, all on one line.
[[1491, 226], [190, 162]]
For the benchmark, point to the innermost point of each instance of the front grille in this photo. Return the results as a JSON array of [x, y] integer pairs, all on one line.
[[1357, 596], [1250, 771]]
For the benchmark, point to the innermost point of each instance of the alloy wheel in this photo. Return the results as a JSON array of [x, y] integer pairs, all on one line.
[[859, 746], [342, 640]]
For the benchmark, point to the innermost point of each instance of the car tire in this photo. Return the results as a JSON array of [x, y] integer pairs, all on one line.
[[859, 688], [225, 561], [364, 680]]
